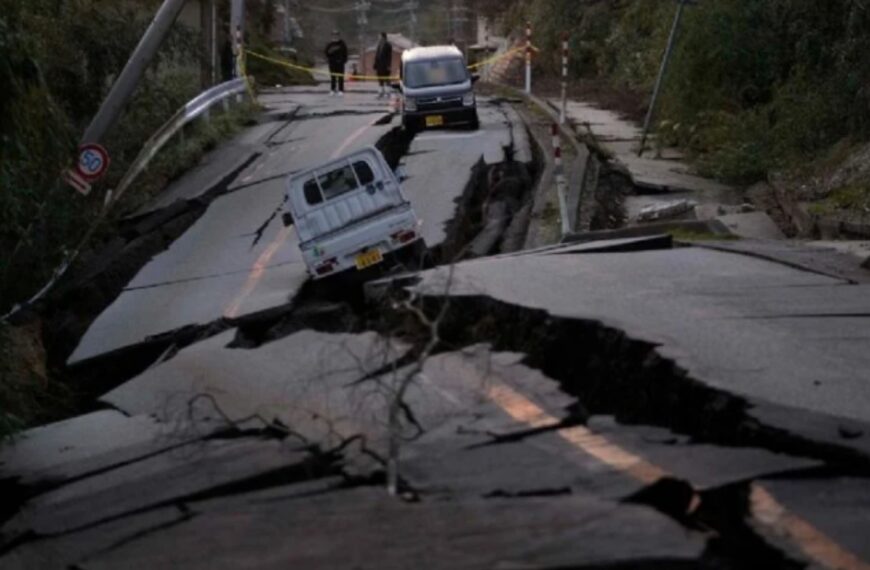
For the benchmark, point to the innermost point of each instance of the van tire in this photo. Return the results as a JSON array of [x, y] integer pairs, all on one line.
[[474, 123], [410, 125]]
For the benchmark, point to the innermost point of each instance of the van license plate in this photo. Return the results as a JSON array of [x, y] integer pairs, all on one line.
[[369, 258], [434, 121]]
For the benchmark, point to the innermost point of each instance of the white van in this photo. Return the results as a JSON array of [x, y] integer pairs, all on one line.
[[350, 214]]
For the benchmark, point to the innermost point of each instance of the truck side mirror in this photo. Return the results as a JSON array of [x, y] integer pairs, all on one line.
[[397, 87], [287, 219], [475, 77]]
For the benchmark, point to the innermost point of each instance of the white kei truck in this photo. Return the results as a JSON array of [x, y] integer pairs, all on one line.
[[350, 215]]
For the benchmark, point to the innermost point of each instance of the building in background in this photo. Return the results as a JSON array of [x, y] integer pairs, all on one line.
[[486, 43]]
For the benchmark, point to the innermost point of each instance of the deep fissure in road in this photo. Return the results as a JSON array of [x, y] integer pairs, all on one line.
[[611, 373]]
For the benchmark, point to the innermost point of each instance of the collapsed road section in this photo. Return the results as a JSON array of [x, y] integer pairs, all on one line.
[[231, 263], [615, 395]]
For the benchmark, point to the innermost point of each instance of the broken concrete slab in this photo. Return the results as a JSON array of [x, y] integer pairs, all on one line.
[[832, 511], [700, 227], [705, 466], [645, 243], [859, 250], [752, 225], [305, 381], [142, 314], [666, 210], [440, 165], [622, 137], [714, 316], [51, 454], [798, 255], [236, 259], [381, 532], [207, 175], [68, 550], [184, 472]]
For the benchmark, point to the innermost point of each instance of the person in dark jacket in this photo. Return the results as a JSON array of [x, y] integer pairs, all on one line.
[[383, 63], [336, 55]]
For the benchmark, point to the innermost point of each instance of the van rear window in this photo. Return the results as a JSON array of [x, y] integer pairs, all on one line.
[[337, 182]]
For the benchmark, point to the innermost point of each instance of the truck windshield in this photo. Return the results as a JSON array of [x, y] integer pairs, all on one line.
[[435, 72], [337, 182]]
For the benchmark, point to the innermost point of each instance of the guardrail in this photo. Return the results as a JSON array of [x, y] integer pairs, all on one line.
[[195, 108]]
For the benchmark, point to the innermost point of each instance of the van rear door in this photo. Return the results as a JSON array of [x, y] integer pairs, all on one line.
[[357, 187]]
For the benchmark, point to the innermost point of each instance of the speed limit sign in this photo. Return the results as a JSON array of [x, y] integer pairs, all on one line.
[[93, 161]]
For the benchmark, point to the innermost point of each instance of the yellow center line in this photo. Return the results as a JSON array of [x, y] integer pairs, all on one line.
[[764, 508], [256, 274], [258, 269], [524, 410], [813, 543]]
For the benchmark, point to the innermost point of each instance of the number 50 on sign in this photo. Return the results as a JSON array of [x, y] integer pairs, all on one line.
[[93, 161]]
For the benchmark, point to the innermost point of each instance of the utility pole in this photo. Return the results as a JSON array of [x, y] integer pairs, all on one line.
[[237, 31], [133, 71], [450, 34], [362, 7], [208, 24], [672, 40], [460, 26], [288, 35], [412, 6]]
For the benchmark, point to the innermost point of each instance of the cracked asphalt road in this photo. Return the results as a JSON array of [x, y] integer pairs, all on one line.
[[619, 404], [231, 263]]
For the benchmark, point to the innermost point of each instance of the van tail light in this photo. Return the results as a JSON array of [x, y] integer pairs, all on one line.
[[326, 267], [404, 236]]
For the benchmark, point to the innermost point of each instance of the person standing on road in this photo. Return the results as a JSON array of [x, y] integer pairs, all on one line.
[[383, 63], [336, 55]]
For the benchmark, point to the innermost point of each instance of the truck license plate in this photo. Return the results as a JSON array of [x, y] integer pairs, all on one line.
[[434, 121], [369, 258]]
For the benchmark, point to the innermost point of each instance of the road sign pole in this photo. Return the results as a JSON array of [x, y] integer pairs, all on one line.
[[133, 71], [528, 58], [561, 184], [662, 71]]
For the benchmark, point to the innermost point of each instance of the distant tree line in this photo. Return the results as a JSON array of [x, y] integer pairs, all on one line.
[[754, 84]]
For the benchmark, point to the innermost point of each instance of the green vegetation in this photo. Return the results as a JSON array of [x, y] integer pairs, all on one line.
[[27, 396], [58, 60], [267, 74], [754, 85], [55, 71]]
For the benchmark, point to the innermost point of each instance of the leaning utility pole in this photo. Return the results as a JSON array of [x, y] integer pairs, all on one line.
[[131, 75], [672, 40]]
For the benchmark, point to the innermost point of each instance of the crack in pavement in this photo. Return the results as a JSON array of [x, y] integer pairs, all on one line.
[[204, 277]]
